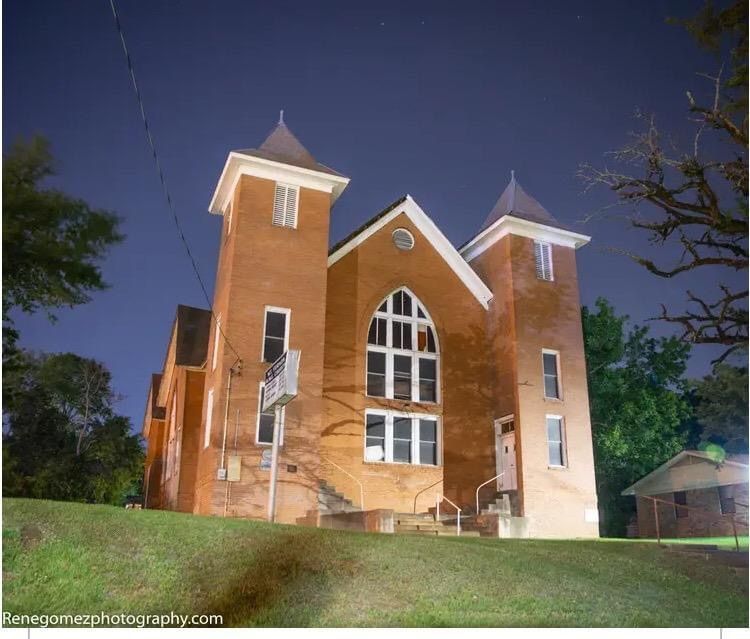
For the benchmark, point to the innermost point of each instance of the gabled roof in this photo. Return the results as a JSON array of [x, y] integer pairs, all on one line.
[[431, 232], [282, 145], [732, 460], [516, 202]]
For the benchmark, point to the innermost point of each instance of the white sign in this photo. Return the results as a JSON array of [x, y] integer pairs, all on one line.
[[280, 382], [265, 459]]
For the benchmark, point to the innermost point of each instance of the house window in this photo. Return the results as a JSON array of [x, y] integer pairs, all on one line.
[[209, 417], [391, 436], [726, 500], [285, 205], [551, 368], [265, 421], [275, 333], [215, 352], [402, 351], [543, 260], [680, 499], [555, 440]]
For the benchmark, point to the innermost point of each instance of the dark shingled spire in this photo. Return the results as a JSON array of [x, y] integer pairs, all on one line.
[[283, 146], [516, 202]]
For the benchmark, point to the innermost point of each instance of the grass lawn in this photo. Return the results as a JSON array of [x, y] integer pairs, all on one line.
[[74, 558], [724, 543]]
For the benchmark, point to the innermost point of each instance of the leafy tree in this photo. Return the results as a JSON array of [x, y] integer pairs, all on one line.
[[696, 198], [52, 242], [64, 440], [721, 407], [638, 404]]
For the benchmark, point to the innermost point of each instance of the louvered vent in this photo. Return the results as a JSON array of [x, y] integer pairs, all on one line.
[[543, 260], [403, 239], [285, 206]]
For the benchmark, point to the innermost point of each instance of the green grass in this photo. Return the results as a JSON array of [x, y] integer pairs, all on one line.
[[74, 558], [724, 543]]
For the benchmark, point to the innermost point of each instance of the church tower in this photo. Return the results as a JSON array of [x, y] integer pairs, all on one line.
[[270, 296], [541, 412]]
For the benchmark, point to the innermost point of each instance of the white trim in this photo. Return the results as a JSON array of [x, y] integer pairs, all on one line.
[[275, 309], [563, 441], [434, 236], [414, 417], [545, 251], [209, 417], [549, 351], [510, 225], [239, 164], [215, 351], [257, 421]]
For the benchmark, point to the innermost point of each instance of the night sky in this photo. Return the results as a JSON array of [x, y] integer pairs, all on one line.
[[439, 100]]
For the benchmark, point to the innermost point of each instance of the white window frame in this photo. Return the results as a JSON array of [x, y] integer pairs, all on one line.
[[563, 442], [287, 324], [558, 371], [286, 223], [209, 417], [217, 332], [257, 421], [545, 247], [414, 417], [414, 321]]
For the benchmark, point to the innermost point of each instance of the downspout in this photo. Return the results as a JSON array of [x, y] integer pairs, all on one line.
[[238, 364]]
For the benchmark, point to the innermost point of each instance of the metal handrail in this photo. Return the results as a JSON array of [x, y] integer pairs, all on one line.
[[438, 499], [484, 484], [361, 488], [439, 481], [698, 510]]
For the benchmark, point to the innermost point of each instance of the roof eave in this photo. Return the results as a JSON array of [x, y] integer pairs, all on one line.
[[239, 164], [511, 225]]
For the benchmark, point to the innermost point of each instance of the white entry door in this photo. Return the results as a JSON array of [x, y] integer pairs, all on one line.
[[505, 453]]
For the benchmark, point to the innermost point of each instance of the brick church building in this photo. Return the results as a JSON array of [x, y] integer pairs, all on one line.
[[425, 370]]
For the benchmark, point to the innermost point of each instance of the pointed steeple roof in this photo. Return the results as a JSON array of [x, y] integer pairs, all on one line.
[[282, 145], [516, 202]]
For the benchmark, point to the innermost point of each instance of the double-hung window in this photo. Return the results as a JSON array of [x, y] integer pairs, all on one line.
[[543, 260], [265, 422], [401, 438], [285, 202], [551, 372], [209, 417], [402, 351], [556, 440], [275, 333]]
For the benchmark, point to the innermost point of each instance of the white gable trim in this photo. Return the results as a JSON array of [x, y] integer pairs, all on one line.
[[510, 225], [239, 164], [434, 236], [631, 490]]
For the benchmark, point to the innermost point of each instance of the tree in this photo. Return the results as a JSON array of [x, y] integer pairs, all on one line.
[[52, 242], [64, 440], [636, 389], [696, 198], [721, 407]]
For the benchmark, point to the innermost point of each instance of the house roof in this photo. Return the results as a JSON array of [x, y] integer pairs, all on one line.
[[731, 460], [431, 232], [516, 202], [283, 146]]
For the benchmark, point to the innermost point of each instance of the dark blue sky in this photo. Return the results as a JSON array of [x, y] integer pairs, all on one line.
[[439, 100]]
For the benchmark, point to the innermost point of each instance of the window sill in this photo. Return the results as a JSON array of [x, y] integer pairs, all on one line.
[[555, 400], [401, 464], [552, 467]]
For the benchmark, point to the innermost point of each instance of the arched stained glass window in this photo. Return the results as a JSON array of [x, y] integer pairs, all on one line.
[[402, 350]]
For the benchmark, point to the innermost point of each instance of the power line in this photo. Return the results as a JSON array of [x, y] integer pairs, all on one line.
[[162, 179]]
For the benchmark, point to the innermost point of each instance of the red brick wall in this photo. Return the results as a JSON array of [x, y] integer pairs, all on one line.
[[357, 284]]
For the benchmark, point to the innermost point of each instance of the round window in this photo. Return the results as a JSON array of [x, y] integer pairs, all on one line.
[[403, 239]]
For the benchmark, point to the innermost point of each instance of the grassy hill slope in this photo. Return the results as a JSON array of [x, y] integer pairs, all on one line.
[[64, 558]]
